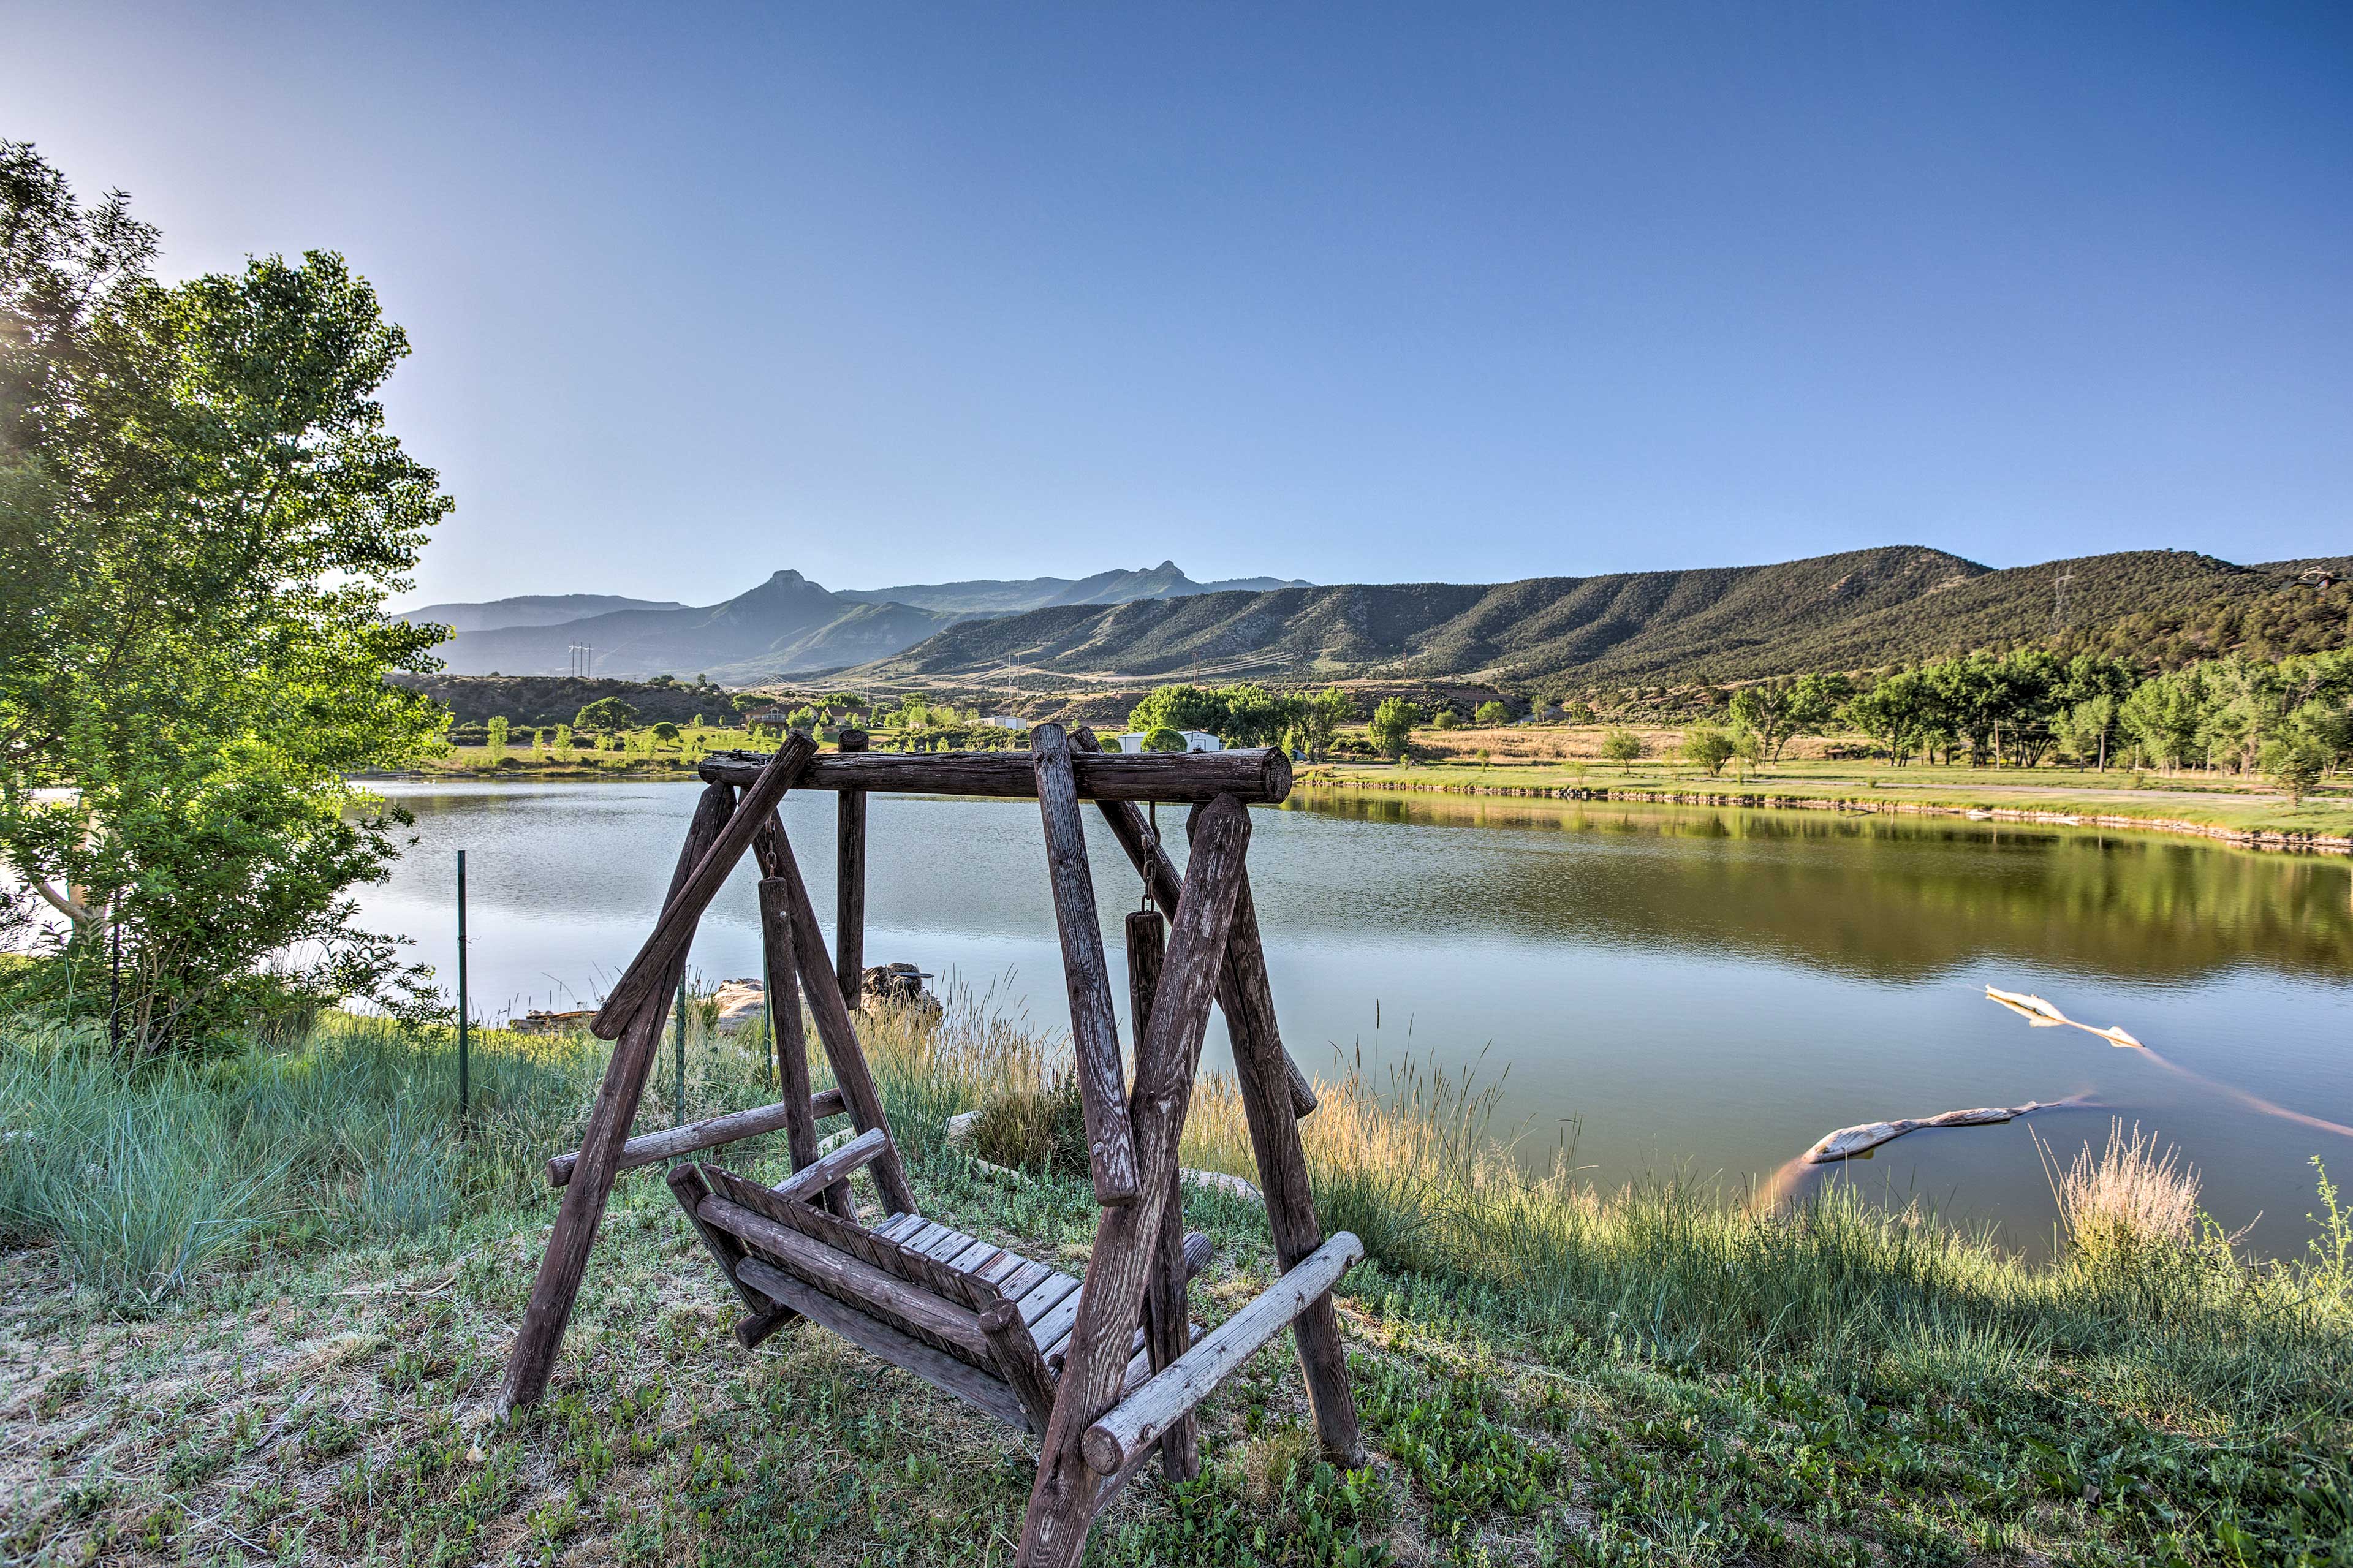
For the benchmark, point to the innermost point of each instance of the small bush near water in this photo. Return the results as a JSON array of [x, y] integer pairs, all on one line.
[[327, 1275]]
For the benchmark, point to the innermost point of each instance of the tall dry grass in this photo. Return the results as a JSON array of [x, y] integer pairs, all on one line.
[[1688, 1273]]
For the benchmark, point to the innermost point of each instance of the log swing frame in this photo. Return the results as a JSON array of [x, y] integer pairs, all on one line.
[[1105, 1371]]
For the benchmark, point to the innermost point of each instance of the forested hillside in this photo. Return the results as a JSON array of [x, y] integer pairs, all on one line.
[[1859, 610]]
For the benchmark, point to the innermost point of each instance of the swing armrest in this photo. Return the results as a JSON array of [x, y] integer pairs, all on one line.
[[1136, 1422]]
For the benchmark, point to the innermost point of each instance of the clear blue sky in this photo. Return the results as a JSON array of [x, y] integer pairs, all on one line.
[[1346, 292]]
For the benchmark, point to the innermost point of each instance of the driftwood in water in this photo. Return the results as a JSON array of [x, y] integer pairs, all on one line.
[[1849, 1142], [2043, 1015]]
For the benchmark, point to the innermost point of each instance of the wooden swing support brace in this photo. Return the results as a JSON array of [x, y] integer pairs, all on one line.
[[1243, 994], [1093, 1438]]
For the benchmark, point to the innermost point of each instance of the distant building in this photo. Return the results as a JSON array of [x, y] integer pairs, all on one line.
[[1195, 740], [769, 718], [1005, 722]]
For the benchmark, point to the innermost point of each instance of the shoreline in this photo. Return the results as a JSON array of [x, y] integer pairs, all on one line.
[[2288, 841], [2285, 840]]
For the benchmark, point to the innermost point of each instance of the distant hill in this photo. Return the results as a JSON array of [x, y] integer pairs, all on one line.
[[528, 610], [1859, 609], [544, 699], [787, 625], [992, 597]]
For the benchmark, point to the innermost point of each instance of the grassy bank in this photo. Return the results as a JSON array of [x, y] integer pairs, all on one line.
[[258, 1309], [2222, 808]]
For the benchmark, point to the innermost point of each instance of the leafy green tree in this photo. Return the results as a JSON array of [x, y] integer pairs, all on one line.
[[605, 713], [1813, 704], [1622, 746], [2167, 714], [1900, 712], [1395, 719], [1493, 715], [201, 518], [802, 717], [1446, 720], [1708, 747], [1164, 739], [1748, 752], [1321, 718], [496, 739], [665, 731], [1762, 710], [2083, 729], [2294, 764], [1178, 707]]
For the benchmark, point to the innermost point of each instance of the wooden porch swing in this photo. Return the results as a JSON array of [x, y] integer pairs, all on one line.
[[1105, 1369]]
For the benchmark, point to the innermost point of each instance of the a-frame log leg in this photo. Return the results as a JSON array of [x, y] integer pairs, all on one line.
[[834, 1030], [557, 1283], [766, 1317], [791, 1041], [1242, 993], [1259, 1075], [1086, 974], [1064, 1503], [849, 881], [1165, 1316]]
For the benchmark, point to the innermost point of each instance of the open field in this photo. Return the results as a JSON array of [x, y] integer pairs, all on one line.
[[1548, 760], [1546, 1373]]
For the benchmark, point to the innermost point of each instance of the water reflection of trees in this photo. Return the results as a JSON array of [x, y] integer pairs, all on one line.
[[1874, 895]]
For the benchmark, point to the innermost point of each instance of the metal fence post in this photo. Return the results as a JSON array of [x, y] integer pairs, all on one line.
[[678, 1109], [464, 1086]]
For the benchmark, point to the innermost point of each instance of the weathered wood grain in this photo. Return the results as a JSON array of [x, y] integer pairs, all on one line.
[[942, 1371], [557, 1283], [827, 1169], [1165, 1309], [709, 1133], [835, 1030], [1086, 974], [849, 878], [1243, 994], [1063, 1501], [682, 910], [1255, 775], [1263, 1087], [1140, 1419]]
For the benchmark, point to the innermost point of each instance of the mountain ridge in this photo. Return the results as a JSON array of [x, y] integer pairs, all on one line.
[[1851, 610], [786, 625]]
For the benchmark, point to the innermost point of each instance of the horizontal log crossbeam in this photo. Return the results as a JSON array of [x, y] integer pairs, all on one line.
[[1121, 1434], [708, 1133], [1258, 775]]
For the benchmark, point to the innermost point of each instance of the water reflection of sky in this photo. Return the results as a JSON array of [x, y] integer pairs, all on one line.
[[1705, 991]]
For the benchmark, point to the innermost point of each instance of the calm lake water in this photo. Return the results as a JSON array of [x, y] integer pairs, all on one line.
[[1687, 991]]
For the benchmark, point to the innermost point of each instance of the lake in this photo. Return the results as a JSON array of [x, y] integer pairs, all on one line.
[[1673, 990]]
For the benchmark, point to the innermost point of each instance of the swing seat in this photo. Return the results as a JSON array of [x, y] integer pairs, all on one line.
[[968, 1317]]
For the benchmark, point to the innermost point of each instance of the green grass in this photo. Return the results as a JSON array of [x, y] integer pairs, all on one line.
[[1545, 1373]]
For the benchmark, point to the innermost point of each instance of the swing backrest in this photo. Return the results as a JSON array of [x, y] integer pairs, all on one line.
[[888, 1274]]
